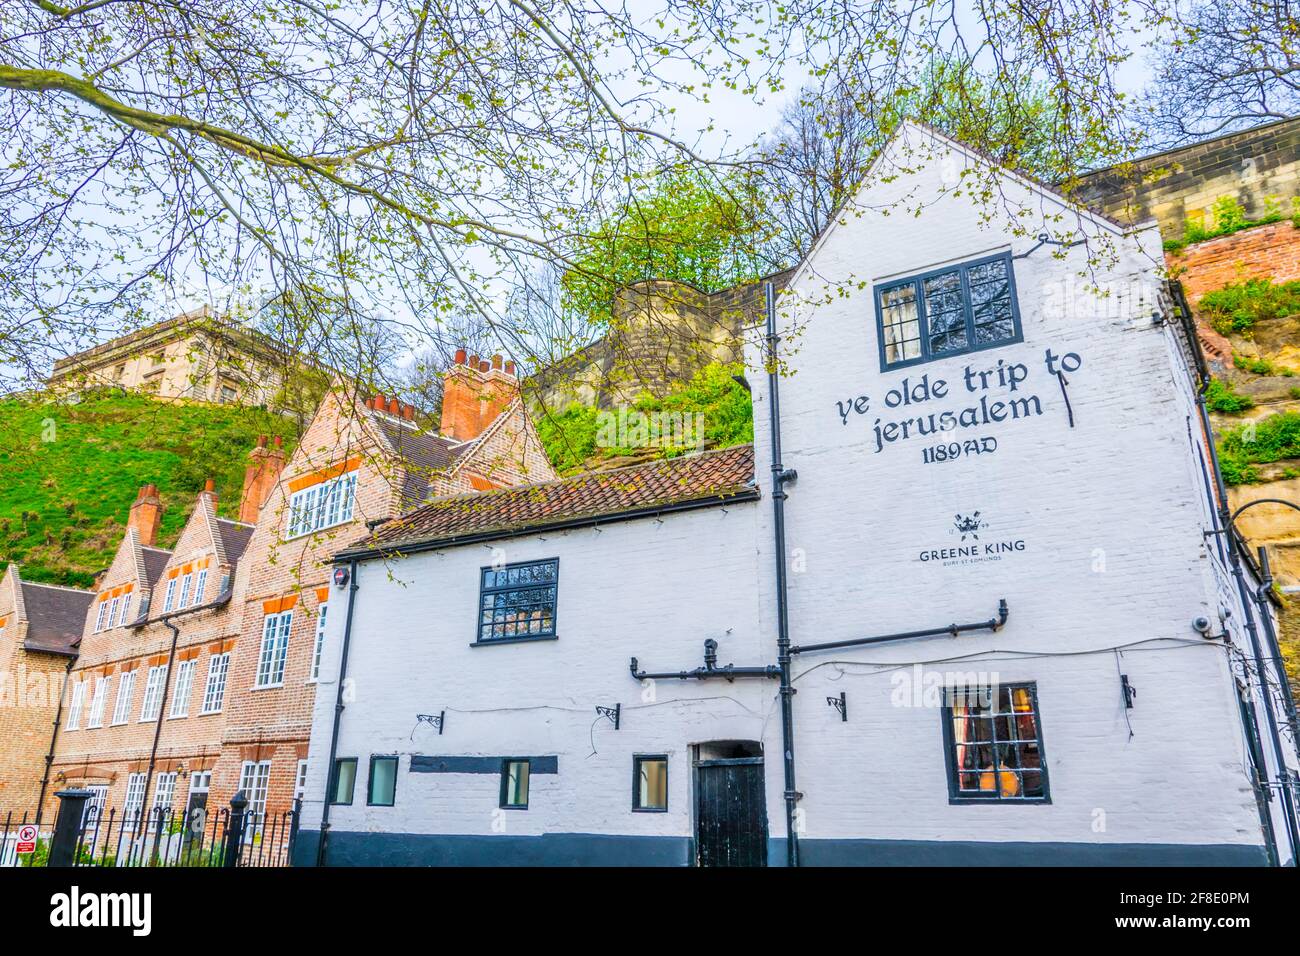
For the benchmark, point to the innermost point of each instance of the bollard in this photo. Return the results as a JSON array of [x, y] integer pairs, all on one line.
[[67, 827]]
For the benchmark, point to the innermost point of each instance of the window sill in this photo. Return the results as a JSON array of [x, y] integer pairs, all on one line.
[[1003, 801], [208, 713], [268, 686], [513, 640], [649, 809], [177, 716]]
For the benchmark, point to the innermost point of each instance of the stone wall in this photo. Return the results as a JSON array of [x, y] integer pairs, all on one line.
[[1170, 186]]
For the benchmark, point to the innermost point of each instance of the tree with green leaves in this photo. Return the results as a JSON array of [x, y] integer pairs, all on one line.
[[417, 160]]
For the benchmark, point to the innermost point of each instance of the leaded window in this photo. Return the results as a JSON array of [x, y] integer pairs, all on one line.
[[517, 601], [995, 745], [962, 308]]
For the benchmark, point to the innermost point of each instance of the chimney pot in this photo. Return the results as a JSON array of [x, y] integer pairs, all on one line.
[[510, 368], [473, 361], [279, 441], [408, 412], [261, 441], [483, 366], [460, 356], [496, 363], [379, 401], [209, 485]]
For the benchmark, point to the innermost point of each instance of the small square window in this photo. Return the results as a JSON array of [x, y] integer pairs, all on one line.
[[345, 780], [514, 785], [994, 744], [650, 784], [517, 602], [958, 309], [383, 782]]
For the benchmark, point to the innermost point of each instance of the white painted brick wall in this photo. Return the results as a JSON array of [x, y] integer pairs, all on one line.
[[1120, 485]]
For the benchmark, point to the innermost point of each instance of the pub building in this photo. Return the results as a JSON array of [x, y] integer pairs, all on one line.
[[1006, 624]]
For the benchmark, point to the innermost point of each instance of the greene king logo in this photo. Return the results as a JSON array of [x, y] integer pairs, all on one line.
[[76, 909], [969, 526], [975, 544]]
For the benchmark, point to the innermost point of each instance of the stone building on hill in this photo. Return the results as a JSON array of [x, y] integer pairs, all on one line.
[[197, 355]]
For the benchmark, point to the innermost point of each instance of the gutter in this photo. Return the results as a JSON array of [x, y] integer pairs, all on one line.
[[54, 736], [1228, 530], [438, 544], [322, 847]]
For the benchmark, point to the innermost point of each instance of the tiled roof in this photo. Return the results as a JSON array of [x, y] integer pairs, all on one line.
[[422, 453], [671, 482], [235, 535], [155, 562], [55, 617]]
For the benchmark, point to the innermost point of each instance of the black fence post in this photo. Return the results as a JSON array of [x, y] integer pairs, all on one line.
[[67, 827], [235, 831], [293, 827]]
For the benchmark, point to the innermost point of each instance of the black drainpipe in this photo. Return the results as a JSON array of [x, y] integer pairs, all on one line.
[[780, 476], [54, 736], [162, 715], [330, 782]]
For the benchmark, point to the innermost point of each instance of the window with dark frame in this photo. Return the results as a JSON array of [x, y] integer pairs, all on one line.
[[382, 791], [950, 311], [345, 780], [514, 784], [994, 745], [650, 783], [517, 602]]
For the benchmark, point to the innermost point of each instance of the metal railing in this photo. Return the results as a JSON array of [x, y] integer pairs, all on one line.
[[162, 836]]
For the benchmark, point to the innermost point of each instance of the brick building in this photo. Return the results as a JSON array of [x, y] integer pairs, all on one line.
[[147, 695], [40, 625], [196, 674]]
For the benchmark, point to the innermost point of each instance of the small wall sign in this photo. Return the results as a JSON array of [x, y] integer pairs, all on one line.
[[26, 838]]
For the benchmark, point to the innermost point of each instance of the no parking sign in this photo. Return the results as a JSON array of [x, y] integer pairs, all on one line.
[[26, 838]]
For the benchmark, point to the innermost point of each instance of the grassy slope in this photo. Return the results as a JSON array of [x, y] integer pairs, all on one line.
[[69, 473]]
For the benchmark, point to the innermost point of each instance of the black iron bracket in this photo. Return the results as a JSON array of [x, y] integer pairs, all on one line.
[[710, 670], [612, 714], [435, 722], [841, 704]]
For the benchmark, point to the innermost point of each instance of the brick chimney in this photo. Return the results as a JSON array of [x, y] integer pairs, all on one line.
[[146, 514], [475, 392], [260, 477], [210, 491]]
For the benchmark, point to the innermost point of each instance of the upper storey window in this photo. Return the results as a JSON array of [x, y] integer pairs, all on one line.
[[322, 505], [962, 308]]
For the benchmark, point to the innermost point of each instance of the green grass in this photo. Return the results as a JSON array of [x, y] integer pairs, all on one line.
[[1228, 217], [1221, 397], [1270, 439], [69, 473], [1237, 307]]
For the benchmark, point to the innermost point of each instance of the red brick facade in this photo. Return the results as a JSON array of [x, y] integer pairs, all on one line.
[[1271, 251]]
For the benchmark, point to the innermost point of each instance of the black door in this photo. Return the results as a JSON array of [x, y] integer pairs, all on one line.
[[730, 812]]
